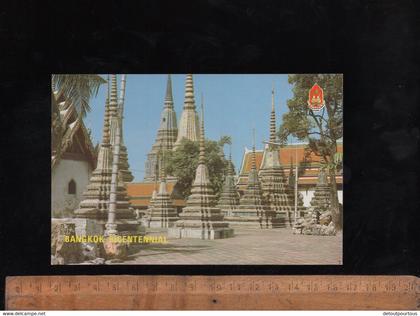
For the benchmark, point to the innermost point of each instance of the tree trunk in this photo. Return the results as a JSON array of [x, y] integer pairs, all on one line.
[[56, 128], [335, 207]]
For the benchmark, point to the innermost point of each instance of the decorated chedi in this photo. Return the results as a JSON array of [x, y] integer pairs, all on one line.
[[162, 213], [95, 204], [188, 123], [166, 135], [124, 166], [96, 196], [201, 218], [146, 217], [229, 197], [150, 207], [252, 211], [273, 180], [318, 219], [321, 200]]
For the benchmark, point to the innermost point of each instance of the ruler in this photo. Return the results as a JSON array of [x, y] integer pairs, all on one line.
[[134, 292]]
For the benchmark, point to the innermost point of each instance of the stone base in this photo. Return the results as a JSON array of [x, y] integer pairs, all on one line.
[[92, 227], [284, 218], [89, 227], [280, 219], [156, 230], [129, 227], [96, 214], [247, 222], [256, 218], [162, 222], [63, 252], [198, 233], [86, 227], [90, 213]]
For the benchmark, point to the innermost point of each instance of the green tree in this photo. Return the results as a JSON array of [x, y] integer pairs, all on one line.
[[322, 129], [183, 162], [226, 140], [76, 89]]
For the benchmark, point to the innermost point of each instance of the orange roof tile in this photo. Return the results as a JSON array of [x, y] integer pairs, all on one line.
[[308, 175], [142, 189], [140, 193], [313, 180], [146, 201], [243, 181], [286, 156]]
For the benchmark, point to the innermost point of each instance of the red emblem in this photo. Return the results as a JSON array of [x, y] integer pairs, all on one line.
[[316, 98]]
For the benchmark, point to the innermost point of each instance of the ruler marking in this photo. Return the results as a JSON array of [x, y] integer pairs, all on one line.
[[135, 290]]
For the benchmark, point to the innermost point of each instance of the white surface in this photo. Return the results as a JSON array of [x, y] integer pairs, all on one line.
[[66, 170]]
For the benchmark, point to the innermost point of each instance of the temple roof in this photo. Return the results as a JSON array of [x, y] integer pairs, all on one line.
[[140, 193], [76, 139], [140, 189], [307, 175], [286, 156]]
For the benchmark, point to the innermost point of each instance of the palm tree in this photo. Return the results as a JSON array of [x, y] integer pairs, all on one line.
[[225, 140], [77, 90]]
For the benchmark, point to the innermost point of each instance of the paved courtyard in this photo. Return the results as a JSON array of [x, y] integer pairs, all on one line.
[[276, 246]]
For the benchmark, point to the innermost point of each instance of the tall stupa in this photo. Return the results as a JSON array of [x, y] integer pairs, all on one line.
[[189, 122], [273, 180], [252, 211], [166, 135], [201, 218], [321, 200], [95, 203], [162, 212], [229, 197]]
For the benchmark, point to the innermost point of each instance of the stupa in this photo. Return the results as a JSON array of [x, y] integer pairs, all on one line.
[[251, 212], [148, 211], [166, 135], [189, 122], [95, 204], [201, 218], [273, 180], [162, 212], [229, 197], [321, 200]]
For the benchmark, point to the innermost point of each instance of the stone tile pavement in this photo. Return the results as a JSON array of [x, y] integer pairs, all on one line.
[[275, 246]]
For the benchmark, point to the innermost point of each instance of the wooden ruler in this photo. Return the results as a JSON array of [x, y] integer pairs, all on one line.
[[129, 292]]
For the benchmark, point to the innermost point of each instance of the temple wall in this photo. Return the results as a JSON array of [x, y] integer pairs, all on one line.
[[308, 194], [340, 196], [62, 203], [307, 197]]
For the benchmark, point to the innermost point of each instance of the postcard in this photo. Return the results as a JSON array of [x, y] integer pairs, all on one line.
[[197, 169]]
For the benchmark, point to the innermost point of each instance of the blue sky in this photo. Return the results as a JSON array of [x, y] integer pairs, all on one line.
[[233, 105]]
